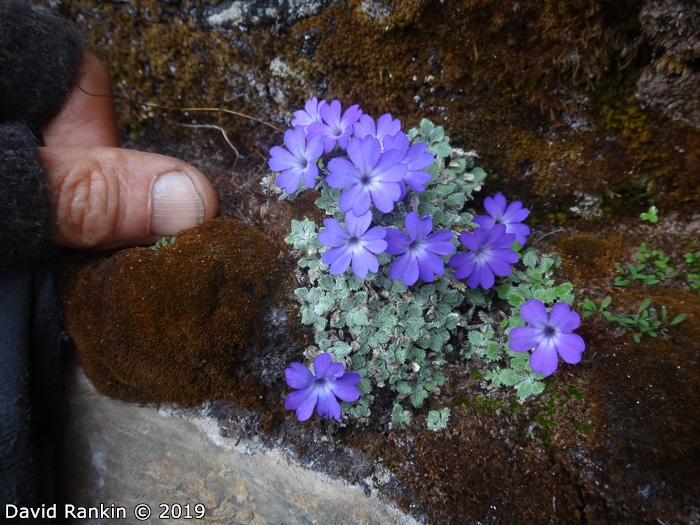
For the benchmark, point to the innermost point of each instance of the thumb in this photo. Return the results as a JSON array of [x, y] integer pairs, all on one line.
[[111, 197]]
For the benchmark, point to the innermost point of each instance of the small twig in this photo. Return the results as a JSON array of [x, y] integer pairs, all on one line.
[[229, 111], [547, 234], [223, 132]]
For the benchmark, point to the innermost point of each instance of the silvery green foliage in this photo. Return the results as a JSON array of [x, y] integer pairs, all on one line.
[[437, 419], [397, 337], [488, 338]]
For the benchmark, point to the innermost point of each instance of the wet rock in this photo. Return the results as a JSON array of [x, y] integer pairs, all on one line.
[[671, 83]]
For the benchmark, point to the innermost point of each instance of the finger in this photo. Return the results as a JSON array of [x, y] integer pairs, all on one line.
[[111, 197], [87, 116]]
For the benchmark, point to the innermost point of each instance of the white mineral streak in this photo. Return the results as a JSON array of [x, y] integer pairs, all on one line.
[[233, 15]]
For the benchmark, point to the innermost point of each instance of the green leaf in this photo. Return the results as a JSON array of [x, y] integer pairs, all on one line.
[[645, 304], [476, 338], [529, 388], [418, 396], [340, 349], [679, 318], [508, 377], [529, 259], [323, 305], [320, 323], [402, 387]]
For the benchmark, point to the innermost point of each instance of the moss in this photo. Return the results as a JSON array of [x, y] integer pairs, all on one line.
[[182, 324], [480, 457], [544, 91]]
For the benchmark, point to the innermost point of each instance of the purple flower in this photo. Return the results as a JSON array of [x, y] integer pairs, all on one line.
[[320, 390], [373, 176], [335, 128], [490, 254], [357, 245], [419, 251], [384, 127], [310, 114], [297, 161], [415, 158], [550, 334], [512, 216]]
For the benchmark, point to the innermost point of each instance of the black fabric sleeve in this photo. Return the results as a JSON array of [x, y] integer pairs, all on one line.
[[39, 57], [25, 230]]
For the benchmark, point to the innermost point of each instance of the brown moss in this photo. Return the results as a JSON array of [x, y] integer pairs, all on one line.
[[588, 257], [645, 447], [480, 470], [182, 324]]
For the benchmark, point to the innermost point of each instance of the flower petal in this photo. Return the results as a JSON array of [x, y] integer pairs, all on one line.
[[430, 265], [397, 241], [364, 153], [500, 262], [418, 227], [463, 263], [406, 268], [440, 242], [363, 262], [289, 180], [385, 196], [298, 376], [344, 387], [563, 318], [327, 405], [342, 173], [355, 198], [338, 259], [280, 159], [484, 221], [534, 312], [334, 235], [544, 360], [485, 276], [322, 364], [570, 348], [303, 401], [357, 224], [523, 338], [495, 206]]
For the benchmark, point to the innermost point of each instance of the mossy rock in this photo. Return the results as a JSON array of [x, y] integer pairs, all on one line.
[[563, 101], [185, 323]]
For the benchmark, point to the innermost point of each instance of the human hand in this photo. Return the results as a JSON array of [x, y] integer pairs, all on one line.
[[102, 196]]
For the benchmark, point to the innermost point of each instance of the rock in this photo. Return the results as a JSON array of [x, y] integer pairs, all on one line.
[[123, 454], [558, 99], [670, 85]]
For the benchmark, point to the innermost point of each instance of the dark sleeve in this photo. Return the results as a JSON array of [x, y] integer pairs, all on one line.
[[39, 57], [31, 389]]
